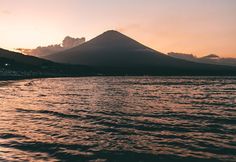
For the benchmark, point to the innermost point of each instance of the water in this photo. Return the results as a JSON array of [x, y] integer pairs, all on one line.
[[118, 119]]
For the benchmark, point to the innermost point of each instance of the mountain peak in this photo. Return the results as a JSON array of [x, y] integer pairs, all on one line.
[[114, 49], [113, 33], [113, 39], [211, 56]]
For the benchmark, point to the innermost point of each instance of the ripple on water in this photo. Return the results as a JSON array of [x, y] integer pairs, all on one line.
[[118, 119]]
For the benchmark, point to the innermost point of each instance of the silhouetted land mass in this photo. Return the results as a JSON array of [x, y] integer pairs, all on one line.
[[15, 65], [209, 59], [115, 53], [111, 54], [115, 50]]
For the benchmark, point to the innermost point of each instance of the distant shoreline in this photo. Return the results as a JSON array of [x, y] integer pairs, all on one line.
[[15, 78]]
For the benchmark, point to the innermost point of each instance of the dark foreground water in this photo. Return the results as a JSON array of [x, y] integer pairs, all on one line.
[[118, 119]]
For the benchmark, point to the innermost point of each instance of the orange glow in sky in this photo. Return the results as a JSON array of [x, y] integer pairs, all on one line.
[[199, 27]]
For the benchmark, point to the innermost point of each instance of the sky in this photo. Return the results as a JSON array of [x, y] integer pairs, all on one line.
[[198, 27]]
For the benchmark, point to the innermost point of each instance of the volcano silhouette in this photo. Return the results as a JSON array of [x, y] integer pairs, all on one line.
[[113, 50]]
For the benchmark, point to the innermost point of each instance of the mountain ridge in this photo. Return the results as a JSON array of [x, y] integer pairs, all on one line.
[[116, 50], [110, 54], [208, 59]]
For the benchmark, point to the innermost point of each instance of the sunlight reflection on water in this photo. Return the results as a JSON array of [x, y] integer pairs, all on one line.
[[118, 118]]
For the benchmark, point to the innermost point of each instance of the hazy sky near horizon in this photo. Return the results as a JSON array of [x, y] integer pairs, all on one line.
[[190, 26]]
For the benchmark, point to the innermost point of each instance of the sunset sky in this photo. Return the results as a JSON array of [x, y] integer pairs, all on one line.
[[199, 27]]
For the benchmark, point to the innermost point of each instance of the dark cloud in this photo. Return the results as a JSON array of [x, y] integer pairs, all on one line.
[[67, 43]]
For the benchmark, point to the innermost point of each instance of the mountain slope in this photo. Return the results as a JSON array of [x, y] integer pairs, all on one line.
[[113, 53], [24, 59], [214, 59], [209, 59], [16, 66], [113, 49]]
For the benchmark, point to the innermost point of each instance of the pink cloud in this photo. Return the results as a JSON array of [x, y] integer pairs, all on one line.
[[67, 43]]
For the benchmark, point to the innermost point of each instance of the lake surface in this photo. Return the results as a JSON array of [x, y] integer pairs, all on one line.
[[118, 119]]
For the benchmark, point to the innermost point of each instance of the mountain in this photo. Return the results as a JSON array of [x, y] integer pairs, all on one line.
[[214, 59], [23, 59], [15, 65], [115, 53], [111, 53], [188, 57], [209, 59], [113, 49]]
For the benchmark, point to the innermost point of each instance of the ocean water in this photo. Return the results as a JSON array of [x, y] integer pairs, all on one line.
[[118, 119]]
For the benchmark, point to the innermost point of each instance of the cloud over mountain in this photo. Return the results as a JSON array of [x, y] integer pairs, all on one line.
[[67, 43]]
